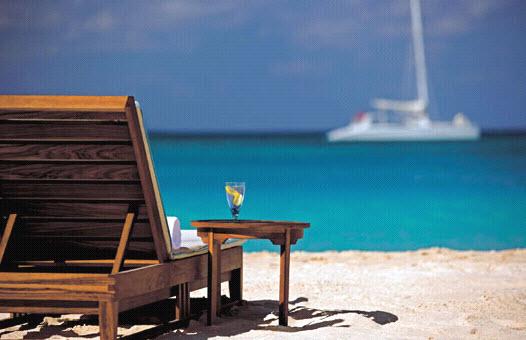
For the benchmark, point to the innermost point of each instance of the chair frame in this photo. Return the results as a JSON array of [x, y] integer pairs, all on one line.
[[57, 287]]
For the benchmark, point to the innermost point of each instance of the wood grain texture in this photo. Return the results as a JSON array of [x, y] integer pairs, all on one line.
[[77, 228], [6, 235], [214, 282], [108, 319], [15, 170], [249, 224], [182, 309], [279, 232], [123, 243], [79, 190], [54, 154], [84, 248], [61, 130], [79, 210], [64, 115], [284, 269], [67, 151], [62, 103], [150, 190]]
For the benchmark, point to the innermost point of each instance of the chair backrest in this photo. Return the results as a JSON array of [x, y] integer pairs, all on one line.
[[71, 168]]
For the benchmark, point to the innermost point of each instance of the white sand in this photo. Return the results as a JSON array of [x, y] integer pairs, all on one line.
[[427, 294]]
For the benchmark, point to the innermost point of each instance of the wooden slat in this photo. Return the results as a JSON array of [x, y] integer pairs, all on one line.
[[123, 243], [78, 227], [64, 122], [148, 181], [36, 114], [32, 170], [144, 299], [67, 151], [22, 199], [72, 209], [63, 103], [142, 280], [62, 156], [67, 161], [61, 130], [125, 191], [34, 249], [6, 235], [72, 279], [77, 140]]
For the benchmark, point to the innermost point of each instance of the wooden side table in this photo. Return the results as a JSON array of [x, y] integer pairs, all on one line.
[[215, 232]]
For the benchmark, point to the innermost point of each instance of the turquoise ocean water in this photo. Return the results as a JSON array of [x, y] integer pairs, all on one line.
[[381, 196]]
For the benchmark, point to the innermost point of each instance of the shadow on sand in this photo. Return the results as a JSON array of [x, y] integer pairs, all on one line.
[[252, 315]]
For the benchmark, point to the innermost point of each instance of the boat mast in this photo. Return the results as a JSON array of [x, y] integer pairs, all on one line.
[[418, 47]]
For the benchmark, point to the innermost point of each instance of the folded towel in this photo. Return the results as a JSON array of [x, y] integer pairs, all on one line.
[[175, 231]]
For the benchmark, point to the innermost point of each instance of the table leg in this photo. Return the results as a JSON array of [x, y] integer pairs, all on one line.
[[284, 281], [214, 278]]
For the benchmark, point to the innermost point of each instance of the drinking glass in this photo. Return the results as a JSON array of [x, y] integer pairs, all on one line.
[[235, 195]]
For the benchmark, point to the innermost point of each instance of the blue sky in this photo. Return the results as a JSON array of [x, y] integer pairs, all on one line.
[[239, 65]]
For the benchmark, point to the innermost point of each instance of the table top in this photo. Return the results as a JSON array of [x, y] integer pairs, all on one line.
[[239, 224]]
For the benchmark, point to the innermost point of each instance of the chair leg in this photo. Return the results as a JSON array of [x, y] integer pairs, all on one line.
[[108, 320], [235, 285], [182, 307]]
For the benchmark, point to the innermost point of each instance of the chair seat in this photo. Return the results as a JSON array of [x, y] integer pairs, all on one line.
[[192, 245]]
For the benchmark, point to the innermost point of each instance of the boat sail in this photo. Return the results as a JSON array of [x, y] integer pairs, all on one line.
[[395, 120]]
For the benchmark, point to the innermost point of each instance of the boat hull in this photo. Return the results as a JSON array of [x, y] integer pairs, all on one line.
[[395, 133]]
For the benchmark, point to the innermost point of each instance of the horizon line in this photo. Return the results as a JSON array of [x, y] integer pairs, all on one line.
[[297, 133]]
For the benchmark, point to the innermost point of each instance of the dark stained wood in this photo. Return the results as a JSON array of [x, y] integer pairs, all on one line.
[[282, 233], [108, 319], [182, 307], [190, 269], [79, 210], [248, 224], [55, 286], [23, 200], [81, 248], [148, 181], [123, 243], [79, 190], [32, 170], [67, 151], [235, 284], [89, 228], [275, 235], [6, 235], [63, 122], [60, 130], [144, 299], [74, 140], [24, 114], [214, 283], [71, 168], [284, 269]]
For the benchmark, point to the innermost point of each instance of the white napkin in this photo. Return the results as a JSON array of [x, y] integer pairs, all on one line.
[[175, 231]]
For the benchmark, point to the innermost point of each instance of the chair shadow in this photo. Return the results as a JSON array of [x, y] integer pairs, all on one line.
[[39, 329], [252, 315], [263, 315]]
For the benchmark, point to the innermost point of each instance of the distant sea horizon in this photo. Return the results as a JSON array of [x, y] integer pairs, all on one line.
[[357, 196], [154, 133]]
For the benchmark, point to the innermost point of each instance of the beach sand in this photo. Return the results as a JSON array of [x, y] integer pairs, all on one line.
[[426, 294]]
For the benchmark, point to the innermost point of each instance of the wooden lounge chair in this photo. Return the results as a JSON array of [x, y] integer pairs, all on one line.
[[83, 228]]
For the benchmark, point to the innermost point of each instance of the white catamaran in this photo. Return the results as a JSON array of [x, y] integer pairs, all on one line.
[[395, 120]]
